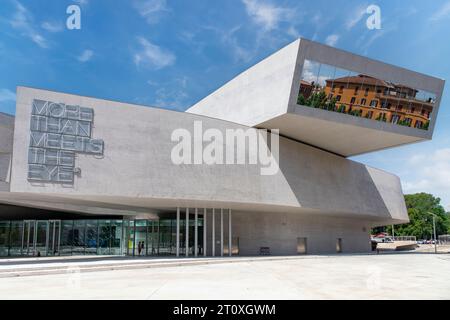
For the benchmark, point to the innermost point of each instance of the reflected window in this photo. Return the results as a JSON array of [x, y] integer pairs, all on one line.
[[395, 118], [418, 124], [320, 82]]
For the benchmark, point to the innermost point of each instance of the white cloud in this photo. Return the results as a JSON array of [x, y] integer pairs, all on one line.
[[230, 41], [374, 35], [22, 21], [332, 39], [195, 43], [267, 15], [293, 32], [39, 40], [442, 12], [85, 56], [310, 73], [239, 52], [170, 95], [430, 173], [152, 55], [7, 95], [52, 26], [171, 99], [356, 16], [151, 10]]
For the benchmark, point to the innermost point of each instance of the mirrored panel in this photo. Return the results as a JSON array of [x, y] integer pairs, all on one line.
[[334, 89]]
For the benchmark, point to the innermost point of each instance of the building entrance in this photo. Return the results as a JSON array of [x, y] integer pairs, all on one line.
[[169, 234], [41, 238]]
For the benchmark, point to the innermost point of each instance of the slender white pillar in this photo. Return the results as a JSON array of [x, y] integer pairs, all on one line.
[[178, 232], [196, 233], [187, 232], [213, 248], [230, 239], [221, 232], [204, 232]]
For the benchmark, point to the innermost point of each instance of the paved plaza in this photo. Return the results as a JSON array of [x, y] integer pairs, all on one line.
[[383, 276]]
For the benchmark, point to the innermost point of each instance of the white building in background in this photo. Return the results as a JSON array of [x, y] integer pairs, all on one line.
[[81, 175]]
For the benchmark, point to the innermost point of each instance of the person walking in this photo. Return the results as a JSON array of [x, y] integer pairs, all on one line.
[[143, 248]]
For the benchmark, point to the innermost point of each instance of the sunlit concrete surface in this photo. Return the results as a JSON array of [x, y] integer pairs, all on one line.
[[383, 276]]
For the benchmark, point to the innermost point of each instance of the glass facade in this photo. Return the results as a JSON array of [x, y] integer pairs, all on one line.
[[360, 95], [97, 237]]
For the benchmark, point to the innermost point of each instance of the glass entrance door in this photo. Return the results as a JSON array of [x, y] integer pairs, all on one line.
[[41, 238]]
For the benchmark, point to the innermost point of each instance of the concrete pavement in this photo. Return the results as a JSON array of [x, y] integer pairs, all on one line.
[[384, 276]]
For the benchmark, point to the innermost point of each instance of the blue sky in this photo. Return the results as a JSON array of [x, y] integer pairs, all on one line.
[[170, 54]]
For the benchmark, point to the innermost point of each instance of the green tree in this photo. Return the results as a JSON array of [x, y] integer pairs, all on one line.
[[301, 100], [421, 222], [317, 100]]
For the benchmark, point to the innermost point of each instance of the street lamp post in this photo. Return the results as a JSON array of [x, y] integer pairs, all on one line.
[[434, 231]]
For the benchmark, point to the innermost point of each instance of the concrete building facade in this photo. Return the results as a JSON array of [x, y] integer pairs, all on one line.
[[81, 175]]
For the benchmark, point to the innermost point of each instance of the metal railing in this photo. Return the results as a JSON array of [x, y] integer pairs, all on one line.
[[444, 239], [404, 238]]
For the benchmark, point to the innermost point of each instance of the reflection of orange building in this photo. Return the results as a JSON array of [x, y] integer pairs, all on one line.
[[306, 88], [379, 100]]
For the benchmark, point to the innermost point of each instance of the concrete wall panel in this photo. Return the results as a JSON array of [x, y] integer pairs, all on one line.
[[136, 165]]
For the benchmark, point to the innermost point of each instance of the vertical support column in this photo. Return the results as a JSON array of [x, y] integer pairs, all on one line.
[[230, 238], [221, 232], [178, 231], [47, 234], [28, 237], [54, 234], [196, 233], [213, 248], [35, 238], [187, 232], [147, 243], [23, 237], [59, 237], [204, 232], [134, 236]]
